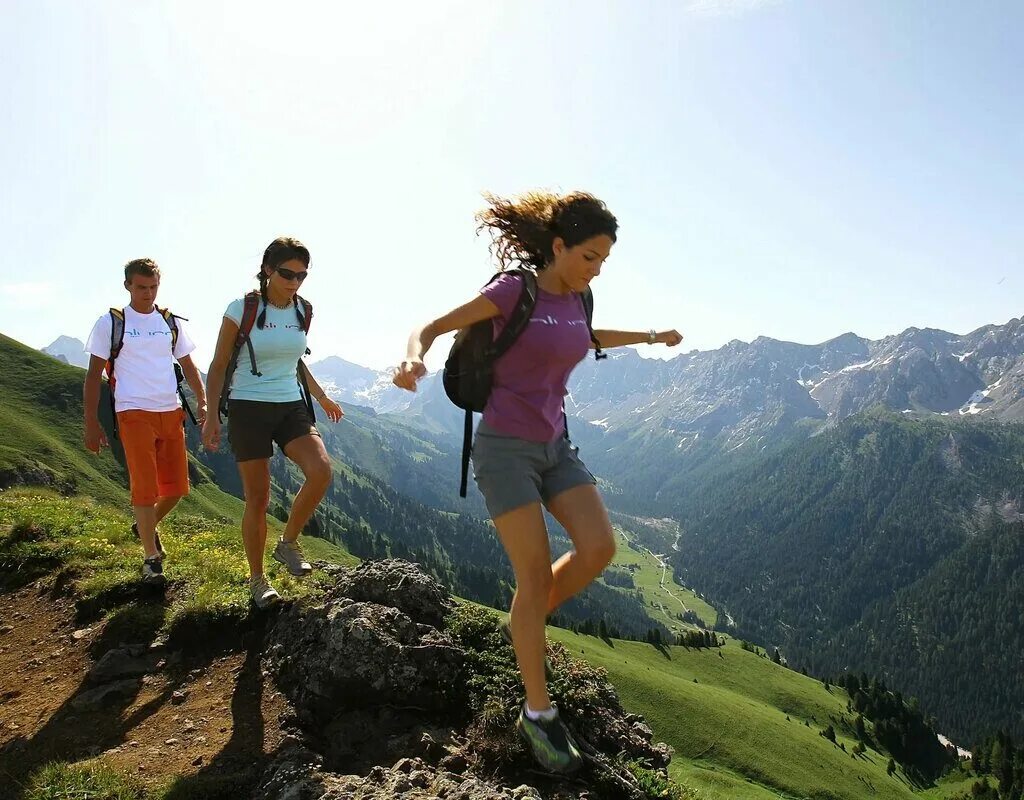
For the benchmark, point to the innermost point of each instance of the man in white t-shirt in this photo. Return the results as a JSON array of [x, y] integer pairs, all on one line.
[[149, 418]]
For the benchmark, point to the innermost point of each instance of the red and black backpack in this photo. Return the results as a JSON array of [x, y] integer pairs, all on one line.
[[250, 311]]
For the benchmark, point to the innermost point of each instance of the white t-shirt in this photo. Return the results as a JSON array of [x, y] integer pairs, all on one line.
[[144, 370]]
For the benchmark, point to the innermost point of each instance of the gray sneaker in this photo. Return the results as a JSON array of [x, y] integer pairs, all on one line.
[[263, 594], [550, 743], [153, 571], [290, 554]]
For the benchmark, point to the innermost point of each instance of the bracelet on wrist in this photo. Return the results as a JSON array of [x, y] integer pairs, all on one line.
[[652, 336]]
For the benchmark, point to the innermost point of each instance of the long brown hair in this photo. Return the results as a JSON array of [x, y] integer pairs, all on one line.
[[524, 228]]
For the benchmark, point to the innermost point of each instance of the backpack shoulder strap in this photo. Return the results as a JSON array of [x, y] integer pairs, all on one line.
[[116, 334], [305, 313], [172, 324], [520, 316], [250, 308], [587, 299], [116, 343]]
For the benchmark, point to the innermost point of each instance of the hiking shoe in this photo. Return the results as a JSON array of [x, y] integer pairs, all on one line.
[[290, 554], [505, 629], [153, 571], [550, 743], [159, 547], [263, 594]]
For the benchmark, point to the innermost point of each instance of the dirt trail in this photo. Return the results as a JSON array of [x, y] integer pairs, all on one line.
[[208, 717]]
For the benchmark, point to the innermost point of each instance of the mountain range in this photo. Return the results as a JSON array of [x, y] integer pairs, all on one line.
[[825, 494]]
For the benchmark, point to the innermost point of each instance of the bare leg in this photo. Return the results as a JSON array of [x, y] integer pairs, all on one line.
[[309, 454], [164, 506], [145, 521], [581, 512], [525, 538], [256, 486]]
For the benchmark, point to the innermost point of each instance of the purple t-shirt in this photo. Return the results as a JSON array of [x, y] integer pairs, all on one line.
[[530, 378]]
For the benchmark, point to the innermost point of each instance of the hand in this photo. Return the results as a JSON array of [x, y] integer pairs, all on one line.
[[201, 414], [95, 438], [334, 412], [670, 338], [408, 373], [211, 433]]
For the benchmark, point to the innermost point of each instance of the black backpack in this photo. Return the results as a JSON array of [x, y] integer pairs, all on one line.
[[116, 345], [469, 370]]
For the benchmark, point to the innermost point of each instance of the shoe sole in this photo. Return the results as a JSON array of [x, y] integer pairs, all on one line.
[[293, 573], [267, 605], [155, 580], [526, 740]]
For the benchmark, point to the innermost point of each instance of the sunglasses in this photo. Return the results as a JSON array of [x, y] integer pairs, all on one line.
[[291, 275]]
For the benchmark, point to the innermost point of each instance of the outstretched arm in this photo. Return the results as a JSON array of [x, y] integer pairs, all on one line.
[[609, 338], [420, 340]]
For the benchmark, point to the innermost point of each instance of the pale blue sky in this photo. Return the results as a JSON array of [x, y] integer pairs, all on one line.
[[789, 169]]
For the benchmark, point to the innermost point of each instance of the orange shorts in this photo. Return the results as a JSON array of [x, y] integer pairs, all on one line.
[[154, 450]]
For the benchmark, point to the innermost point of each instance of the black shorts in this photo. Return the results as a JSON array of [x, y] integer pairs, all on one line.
[[254, 426]]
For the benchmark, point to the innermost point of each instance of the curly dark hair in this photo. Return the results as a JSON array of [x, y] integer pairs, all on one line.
[[282, 249], [524, 228]]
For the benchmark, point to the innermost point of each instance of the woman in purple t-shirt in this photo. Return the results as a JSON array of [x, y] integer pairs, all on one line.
[[522, 458]]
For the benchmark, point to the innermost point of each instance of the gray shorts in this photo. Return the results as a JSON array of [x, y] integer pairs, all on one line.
[[513, 472]]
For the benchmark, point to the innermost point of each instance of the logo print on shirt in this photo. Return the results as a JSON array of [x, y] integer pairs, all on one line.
[[549, 320]]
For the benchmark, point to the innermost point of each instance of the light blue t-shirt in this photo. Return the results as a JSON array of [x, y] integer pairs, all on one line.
[[278, 347]]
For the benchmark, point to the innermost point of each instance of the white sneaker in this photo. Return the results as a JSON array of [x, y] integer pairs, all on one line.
[[263, 594]]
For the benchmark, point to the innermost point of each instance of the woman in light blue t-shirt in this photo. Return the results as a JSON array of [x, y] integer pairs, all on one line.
[[263, 375]]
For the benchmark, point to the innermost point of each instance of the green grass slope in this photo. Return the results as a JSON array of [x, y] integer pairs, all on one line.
[[92, 544], [663, 597], [729, 727], [41, 437], [743, 727]]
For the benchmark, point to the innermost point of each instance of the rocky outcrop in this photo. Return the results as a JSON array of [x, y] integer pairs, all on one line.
[[358, 647], [297, 775], [400, 693]]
